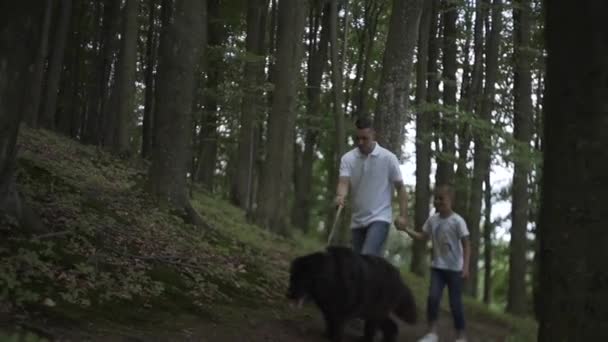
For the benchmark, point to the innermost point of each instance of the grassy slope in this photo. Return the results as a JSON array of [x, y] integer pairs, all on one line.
[[112, 258]]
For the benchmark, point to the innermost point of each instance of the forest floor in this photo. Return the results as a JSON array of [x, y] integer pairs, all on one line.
[[114, 267]]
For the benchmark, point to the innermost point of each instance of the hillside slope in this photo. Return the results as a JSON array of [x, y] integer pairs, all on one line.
[[113, 266]]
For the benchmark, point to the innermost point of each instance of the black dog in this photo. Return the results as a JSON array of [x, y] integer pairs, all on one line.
[[346, 285]]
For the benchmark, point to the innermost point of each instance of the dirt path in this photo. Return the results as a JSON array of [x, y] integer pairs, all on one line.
[[254, 325]]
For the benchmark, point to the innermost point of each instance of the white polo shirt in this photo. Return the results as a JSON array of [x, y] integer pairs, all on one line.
[[372, 179]]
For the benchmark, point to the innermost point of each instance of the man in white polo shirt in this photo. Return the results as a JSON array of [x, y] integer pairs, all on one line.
[[371, 172]]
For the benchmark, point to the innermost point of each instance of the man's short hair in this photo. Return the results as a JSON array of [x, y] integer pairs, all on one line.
[[363, 123]]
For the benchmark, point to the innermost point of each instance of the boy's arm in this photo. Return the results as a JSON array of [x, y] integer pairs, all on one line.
[[416, 235], [402, 197], [466, 248]]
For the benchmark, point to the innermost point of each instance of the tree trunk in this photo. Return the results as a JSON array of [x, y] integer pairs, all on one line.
[[208, 136], [471, 92], [252, 104], [151, 51], [517, 296], [49, 107], [272, 210], [316, 65], [20, 39], [445, 164], [424, 122], [32, 106], [337, 85], [483, 145], [179, 53], [391, 111], [123, 92], [488, 229], [574, 300]]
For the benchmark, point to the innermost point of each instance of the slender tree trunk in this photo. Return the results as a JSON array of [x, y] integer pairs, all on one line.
[[317, 64], [179, 53], [394, 86], [112, 17], [424, 122], [517, 302], [488, 229], [445, 164], [574, 300], [208, 137], [32, 107], [91, 126], [252, 104], [470, 100], [49, 106], [483, 143], [123, 93], [337, 85], [151, 51], [272, 210], [20, 39]]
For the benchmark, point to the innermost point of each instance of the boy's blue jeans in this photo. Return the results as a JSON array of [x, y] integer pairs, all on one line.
[[370, 239], [439, 279]]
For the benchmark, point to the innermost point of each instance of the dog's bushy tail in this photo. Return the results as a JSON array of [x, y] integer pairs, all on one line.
[[406, 307]]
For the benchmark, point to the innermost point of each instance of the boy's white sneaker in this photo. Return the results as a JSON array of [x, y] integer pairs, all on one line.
[[430, 337]]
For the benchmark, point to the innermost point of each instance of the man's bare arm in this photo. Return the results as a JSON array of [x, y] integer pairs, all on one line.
[[342, 190], [402, 197]]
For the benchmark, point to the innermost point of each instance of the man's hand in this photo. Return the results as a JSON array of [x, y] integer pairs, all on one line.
[[465, 272], [339, 201], [401, 223]]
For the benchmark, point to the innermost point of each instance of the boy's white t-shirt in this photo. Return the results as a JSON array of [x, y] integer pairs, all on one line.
[[446, 234]]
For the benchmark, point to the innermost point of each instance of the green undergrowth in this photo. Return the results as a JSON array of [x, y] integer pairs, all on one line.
[[111, 255]]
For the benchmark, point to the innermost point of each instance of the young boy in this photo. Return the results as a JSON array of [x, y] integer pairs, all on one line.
[[450, 262]]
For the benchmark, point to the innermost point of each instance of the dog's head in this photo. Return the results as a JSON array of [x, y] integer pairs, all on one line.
[[303, 273]]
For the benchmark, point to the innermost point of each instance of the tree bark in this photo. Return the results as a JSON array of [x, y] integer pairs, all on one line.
[[272, 210], [574, 300], [151, 52], [483, 143], [123, 101], [252, 103], [392, 105], [49, 107], [424, 122], [445, 164], [32, 107], [179, 53], [517, 302], [20, 33], [488, 229], [316, 65], [208, 136]]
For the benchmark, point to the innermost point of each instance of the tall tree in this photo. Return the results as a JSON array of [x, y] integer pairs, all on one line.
[[390, 118], [523, 112], [573, 235], [251, 105], [151, 52], [483, 141], [317, 62], [49, 106], [214, 70], [488, 229], [179, 53], [337, 85], [272, 210], [20, 30], [123, 91], [445, 164], [424, 122], [33, 105]]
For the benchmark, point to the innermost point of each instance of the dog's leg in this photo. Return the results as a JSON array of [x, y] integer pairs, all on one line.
[[390, 330], [334, 328], [371, 327]]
